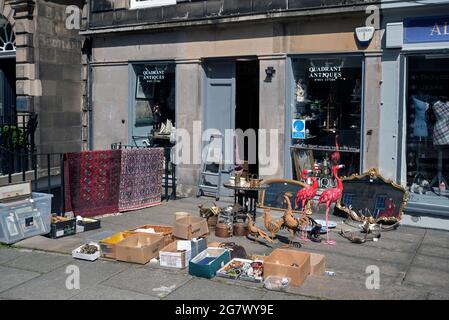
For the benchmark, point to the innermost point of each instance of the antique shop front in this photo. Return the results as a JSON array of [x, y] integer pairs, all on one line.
[[326, 99], [238, 74], [416, 64]]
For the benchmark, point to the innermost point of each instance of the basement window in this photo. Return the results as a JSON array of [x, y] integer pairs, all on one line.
[[137, 4]]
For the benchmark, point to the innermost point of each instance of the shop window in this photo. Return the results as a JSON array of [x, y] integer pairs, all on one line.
[[154, 104], [427, 149], [136, 4], [326, 113]]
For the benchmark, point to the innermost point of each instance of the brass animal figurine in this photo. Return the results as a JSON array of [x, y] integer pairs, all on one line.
[[272, 226], [292, 224], [257, 232]]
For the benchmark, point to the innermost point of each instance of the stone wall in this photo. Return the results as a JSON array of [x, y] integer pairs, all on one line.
[[115, 12], [57, 54]]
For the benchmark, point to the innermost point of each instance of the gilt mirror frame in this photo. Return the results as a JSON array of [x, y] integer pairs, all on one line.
[[373, 174]]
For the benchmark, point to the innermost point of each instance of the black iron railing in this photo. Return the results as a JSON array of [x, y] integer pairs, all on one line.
[[16, 141], [169, 177]]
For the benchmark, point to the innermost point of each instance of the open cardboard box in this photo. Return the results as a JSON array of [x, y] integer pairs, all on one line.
[[176, 255], [108, 245], [317, 264], [190, 227], [166, 231], [139, 248], [288, 263], [208, 262]]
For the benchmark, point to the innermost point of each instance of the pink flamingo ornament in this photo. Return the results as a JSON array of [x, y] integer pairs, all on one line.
[[300, 195], [308, 193], [330, 196], [335, 157]]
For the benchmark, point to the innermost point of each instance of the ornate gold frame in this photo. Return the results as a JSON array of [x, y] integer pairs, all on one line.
[[276, 180], [374, 174]]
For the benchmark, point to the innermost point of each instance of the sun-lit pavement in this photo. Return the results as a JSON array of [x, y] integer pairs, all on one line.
[[413, 264]]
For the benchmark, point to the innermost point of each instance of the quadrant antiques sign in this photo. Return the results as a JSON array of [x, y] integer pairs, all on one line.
[[154, 75], [426, 29], [326, 73]]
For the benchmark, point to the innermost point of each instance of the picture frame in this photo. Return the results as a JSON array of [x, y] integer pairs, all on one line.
[[273, 197]]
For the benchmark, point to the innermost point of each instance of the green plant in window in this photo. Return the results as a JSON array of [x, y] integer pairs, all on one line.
[[12, 137]]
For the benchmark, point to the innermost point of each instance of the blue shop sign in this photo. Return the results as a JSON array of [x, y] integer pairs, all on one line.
[[426, 29]]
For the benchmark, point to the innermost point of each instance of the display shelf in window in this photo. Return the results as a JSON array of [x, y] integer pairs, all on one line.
[[325, 148]]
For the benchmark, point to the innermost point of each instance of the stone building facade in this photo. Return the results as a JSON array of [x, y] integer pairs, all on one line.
[[48, 70], [214, 49]]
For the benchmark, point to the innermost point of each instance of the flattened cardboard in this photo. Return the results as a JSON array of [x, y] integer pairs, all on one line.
[[170, 257], [190, 227], [139, 248], [280, 263]]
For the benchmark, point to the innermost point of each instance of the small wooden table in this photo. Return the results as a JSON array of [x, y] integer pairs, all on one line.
[[245, 195]]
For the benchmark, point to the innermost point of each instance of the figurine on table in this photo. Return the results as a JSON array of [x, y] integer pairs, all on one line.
[[157, 117]]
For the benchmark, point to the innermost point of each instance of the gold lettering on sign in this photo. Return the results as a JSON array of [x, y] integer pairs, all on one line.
[[436, 30]]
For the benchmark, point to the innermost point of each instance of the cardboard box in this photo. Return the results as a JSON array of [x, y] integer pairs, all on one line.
[[317, 264], [288, 263], [176, 255], [198, 245], [190, 227], [15, 191], [139, 248], [242, 276], [108, 245], [208, 262], [214, 244], [166, 231]]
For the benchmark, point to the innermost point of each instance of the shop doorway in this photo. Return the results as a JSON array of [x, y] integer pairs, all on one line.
[[247, 109], [7, 90], [232, 102]]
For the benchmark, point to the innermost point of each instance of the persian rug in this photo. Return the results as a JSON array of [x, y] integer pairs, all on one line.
[[92, 180], [141, 178]]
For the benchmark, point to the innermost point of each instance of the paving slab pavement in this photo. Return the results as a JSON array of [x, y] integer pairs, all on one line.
[[203, 289], [8, 254], [52, 285], [413, 263], [11, 277], [152, 282], [101, 292], [39, 262]]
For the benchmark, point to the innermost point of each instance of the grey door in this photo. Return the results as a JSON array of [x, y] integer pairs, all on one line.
[[220, 109]]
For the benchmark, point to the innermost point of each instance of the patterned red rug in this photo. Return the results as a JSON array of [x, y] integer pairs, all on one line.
[[92, 181], [141, 178]]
